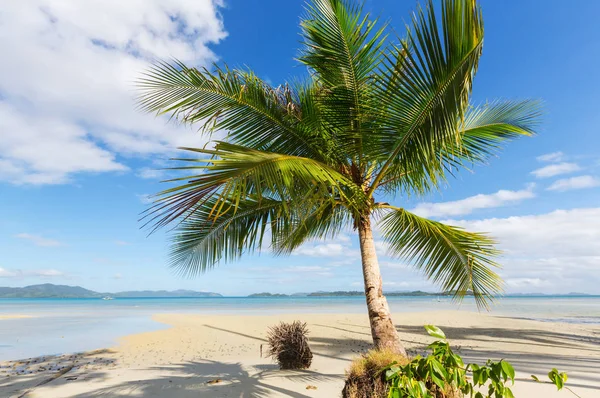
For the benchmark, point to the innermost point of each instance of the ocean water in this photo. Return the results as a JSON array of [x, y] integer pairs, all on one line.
[[71, 325]]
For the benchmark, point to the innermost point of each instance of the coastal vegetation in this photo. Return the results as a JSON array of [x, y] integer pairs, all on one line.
[[365, 377], [441, 374], [377, 117]]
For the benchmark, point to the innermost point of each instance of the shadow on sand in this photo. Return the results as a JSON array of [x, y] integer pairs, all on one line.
[[197, 379]]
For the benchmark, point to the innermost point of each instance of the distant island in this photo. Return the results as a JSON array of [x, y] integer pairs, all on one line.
[[265, 294], [49, 290]]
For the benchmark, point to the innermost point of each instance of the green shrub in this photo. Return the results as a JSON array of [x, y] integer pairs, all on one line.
[[443, 374]]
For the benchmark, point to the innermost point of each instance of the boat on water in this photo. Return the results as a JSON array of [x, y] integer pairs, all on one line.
[[107, 298]]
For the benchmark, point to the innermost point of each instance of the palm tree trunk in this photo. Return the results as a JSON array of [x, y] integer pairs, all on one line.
[[383, 331]]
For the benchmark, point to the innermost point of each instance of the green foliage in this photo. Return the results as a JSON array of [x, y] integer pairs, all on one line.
[[443, 372], [376, 115]]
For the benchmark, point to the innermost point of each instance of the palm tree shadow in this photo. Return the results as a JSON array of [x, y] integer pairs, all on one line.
[[206, 378], [585, 366], [324, 347]]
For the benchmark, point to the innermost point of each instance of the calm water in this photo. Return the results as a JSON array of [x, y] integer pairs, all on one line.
[[71, 325]]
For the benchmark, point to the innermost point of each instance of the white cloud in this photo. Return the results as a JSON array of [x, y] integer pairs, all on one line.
[[40, 273], [472, 203], [46, 273], [5, 273], [66, 90], [39, 240], [556, 169], [559, 248], [322, 250], [551, 157], [572, 183], [341, 246]]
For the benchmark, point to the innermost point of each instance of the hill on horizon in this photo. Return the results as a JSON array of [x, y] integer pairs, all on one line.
[[49, 290]]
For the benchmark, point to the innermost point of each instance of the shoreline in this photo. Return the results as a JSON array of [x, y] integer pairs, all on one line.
[[198, 348]]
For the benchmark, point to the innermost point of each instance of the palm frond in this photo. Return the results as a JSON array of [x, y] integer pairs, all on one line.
[[253, 113], [204, 238], [342, 48], [323, 221], [425, 91], [487, 127], [458, 261], [482, 133], [235, 172]]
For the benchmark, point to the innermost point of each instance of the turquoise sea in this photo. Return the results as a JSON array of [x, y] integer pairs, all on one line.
[[71, 325]]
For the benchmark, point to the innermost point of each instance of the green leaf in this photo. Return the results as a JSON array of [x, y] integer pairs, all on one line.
[[422, 388], [557, 378], [436, 332], [508, 393], [534, 377], [508, 369], [458, 260]]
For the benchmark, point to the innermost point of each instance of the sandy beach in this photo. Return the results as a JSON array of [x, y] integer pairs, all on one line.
[[220, 356]]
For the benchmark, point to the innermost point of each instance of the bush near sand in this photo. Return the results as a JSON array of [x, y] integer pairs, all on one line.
[[365, 378]]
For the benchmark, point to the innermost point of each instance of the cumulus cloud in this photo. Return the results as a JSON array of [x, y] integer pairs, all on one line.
[[559, 248], [329, 249], [556, 169], [340, 247], [472, 203], [39, 240], [66, 90], [572, 183], [551, 157]]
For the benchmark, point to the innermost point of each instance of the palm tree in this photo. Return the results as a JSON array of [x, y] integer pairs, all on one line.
[[304, 161]]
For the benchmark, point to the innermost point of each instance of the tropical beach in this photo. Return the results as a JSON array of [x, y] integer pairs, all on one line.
[[222, 353], [325, 198]]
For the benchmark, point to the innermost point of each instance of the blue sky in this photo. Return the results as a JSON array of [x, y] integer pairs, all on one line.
[[77, 160]]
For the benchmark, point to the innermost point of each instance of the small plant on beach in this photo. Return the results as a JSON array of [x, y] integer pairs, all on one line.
[[443, 374], [364, 378], [288, 345]]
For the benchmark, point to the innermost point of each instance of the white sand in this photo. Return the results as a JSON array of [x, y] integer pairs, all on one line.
[[183, 360]]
